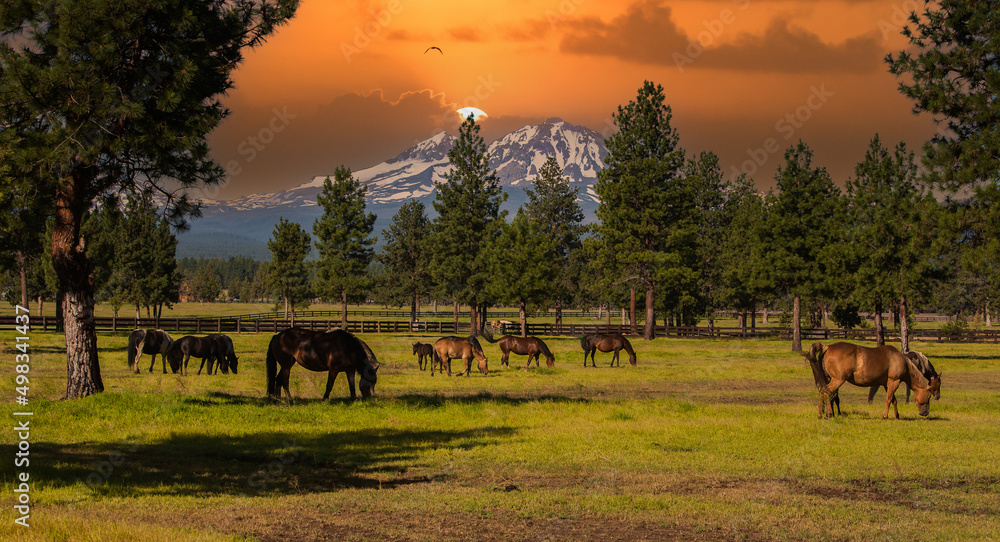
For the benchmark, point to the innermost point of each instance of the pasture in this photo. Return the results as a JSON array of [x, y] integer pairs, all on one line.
[[702, 440]]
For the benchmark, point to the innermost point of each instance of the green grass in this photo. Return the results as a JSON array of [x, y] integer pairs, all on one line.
[[712, 440]]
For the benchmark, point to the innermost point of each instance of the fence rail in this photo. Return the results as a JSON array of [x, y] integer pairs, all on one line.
[[273, 325]]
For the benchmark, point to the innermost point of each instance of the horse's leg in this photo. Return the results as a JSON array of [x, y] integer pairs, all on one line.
[[163, 358], [468, 364], [614, 358], [329, 384], [203, 360], [350, 383], [871, 393], [184, 371], [828, 392], [283, 378], [890, 398]]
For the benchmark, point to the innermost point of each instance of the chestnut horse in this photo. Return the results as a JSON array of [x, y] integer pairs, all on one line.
[[334, 351], [926, 368], [606, 343], [862, 366], [423, 352], [525, 346], [463, 348]]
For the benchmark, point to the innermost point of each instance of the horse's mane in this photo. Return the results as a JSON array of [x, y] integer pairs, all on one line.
[[815, 358], [917, 378], [487, 334], [627, 345], [545, 349], [475, 344]]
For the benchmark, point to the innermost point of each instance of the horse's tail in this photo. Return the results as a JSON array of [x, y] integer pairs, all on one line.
[[488, 335], [133, 348], [815, 358], [583, 343], [271, 367]]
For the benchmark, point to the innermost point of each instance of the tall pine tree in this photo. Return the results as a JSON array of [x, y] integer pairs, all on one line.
[[288, 272], [116, 96], [642, 199], [343, 240], [404, 257], [469, 218]]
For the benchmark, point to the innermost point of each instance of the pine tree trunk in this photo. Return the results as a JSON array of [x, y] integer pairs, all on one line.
[[343, 309], [607, 316], [879, 327], [72, 268], [523, 319], [904, 328], [631, 313], [473, 321], [22, 266], [649, 331], [456, 317], [413, 312], [796, 325], [559, 315]]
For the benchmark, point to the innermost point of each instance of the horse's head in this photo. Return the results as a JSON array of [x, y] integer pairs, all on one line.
[[482, 366], [935, 386], [369, 376], [550, 360], [415, 347], [922, 396], [233, 362]]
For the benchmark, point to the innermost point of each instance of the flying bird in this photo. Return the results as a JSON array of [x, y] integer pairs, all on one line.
[[436, 48]]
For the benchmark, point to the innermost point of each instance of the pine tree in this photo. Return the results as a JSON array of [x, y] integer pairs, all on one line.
[[552, 205], [288, 272], [343, 240], [642, 200], [802, 214], [405, 257], [745, 263], [882, 202], [114, 96], [469, 216], [522, 265]]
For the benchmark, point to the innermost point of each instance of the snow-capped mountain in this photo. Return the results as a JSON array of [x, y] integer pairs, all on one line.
[[516, 157]]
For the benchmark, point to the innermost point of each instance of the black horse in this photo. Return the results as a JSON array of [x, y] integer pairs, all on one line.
[[148, 341], [226, 354], [205, 348], [334, 351]]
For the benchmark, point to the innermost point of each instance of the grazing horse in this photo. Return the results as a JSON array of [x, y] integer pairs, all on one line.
[[862, 366], [333, 351], [606, 343], [464, 348], [148, 341], [525, 346], [423, 352], [925, 367], [226, 354], [205, 348]]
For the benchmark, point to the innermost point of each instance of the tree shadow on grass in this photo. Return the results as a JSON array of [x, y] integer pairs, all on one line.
[[264, 463], [437, 400]]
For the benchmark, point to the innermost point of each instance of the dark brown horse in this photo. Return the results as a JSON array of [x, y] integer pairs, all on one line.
[[862, 366], [606, 343], [334, 351], [463, 348], [226, 354], [525, 346], [423, 352], [148, 341], [200, 347], [925, 367]]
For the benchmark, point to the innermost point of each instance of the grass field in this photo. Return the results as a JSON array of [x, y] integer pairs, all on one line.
[[702, 440]]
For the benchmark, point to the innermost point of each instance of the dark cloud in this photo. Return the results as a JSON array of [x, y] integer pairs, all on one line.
[[276, 147], [646, 34], [466, 33]]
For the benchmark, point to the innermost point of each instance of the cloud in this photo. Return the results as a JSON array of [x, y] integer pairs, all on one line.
[[466, 33], [647, 34], [266, 149]]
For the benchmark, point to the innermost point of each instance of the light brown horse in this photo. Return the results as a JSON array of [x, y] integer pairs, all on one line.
[[925, 367], [862, 366], [525, 346], [334, 351], [463, 348], [423, 352], [606, 343]]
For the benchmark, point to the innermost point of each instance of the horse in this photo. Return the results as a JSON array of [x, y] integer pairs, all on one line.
[[926, 368], [525, 346], [423, 352], [226, 354], [606, 343], [205, 348], [862, 366], [148, 341], [464, 348], [333, 351]]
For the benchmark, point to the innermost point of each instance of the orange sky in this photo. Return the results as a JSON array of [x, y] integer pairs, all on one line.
[[349, 82]]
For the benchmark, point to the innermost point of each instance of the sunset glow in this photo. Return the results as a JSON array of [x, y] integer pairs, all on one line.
[[742, 77]]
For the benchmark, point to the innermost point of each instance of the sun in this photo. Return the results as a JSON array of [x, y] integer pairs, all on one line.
[[474, 111]]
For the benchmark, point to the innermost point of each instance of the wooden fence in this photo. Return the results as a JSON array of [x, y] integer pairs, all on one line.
[[273, 325]]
